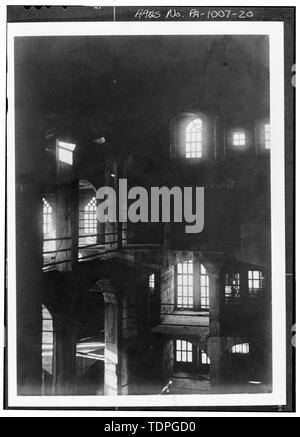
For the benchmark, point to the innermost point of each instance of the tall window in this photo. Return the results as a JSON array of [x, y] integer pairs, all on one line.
[[242, 348], [204, 288], [185, 297], [184, 351], [193, 139], [267, 136], [47, 218], [232, 287], [49, 244], [47, 349], [90, 217], [65, 152], [239, 138], [255, 283]]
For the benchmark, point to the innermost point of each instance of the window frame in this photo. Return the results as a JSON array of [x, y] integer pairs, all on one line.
[[255, 292], [203, 289], [237, 142], [178, 306], [197, 363], [90, 217], [193, 139], [187, 350], [48, 218], [199, 286]]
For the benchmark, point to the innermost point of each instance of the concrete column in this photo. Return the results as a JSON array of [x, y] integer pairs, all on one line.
[[196, 282], [111, 370], [64, 354], [67, 198], [216, 344], [216, 347], [214, 298], [29, 166], [113, 233]]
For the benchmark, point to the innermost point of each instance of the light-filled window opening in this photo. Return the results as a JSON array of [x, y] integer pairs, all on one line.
[[232, 286], [49, 243], [242, 348], [255, 282], [267, 133], [90, 217], [184, 351], [239, 138], [185, 296], [47, 218], [204, 288], [204, 358], [152, 281], [65, 152], [193, 139]]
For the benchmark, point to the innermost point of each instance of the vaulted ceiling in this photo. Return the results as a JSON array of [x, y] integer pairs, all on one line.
[[120, 86]]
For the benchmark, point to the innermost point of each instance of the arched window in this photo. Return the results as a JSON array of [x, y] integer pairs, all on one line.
[[242, 348], [184, 351], [49, 244], [47, 218], [204, 288], [47, 350], [90, 217], [193, 139], [204, 358], [87, 219]]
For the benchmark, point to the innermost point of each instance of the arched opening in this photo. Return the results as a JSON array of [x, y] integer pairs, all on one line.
[[204, 288], [97, 342], [47, 352], [90, 233], [90, 345], [191, 135], [49, 234], [186, 366], [193, 139]]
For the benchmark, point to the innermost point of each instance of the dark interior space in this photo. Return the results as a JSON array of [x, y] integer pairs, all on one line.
[[119, 308]]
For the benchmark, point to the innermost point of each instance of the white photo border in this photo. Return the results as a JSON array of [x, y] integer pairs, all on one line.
[[275, 31]]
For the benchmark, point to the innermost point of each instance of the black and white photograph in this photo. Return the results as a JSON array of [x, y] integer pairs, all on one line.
[[146, 210]]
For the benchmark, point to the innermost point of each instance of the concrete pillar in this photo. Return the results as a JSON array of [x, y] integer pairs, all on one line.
[[128, 367], [216, 344], [111, 369], [113, 232], [214, 298], [29, 166], [67, 198], [64, 354], [216, 347]]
